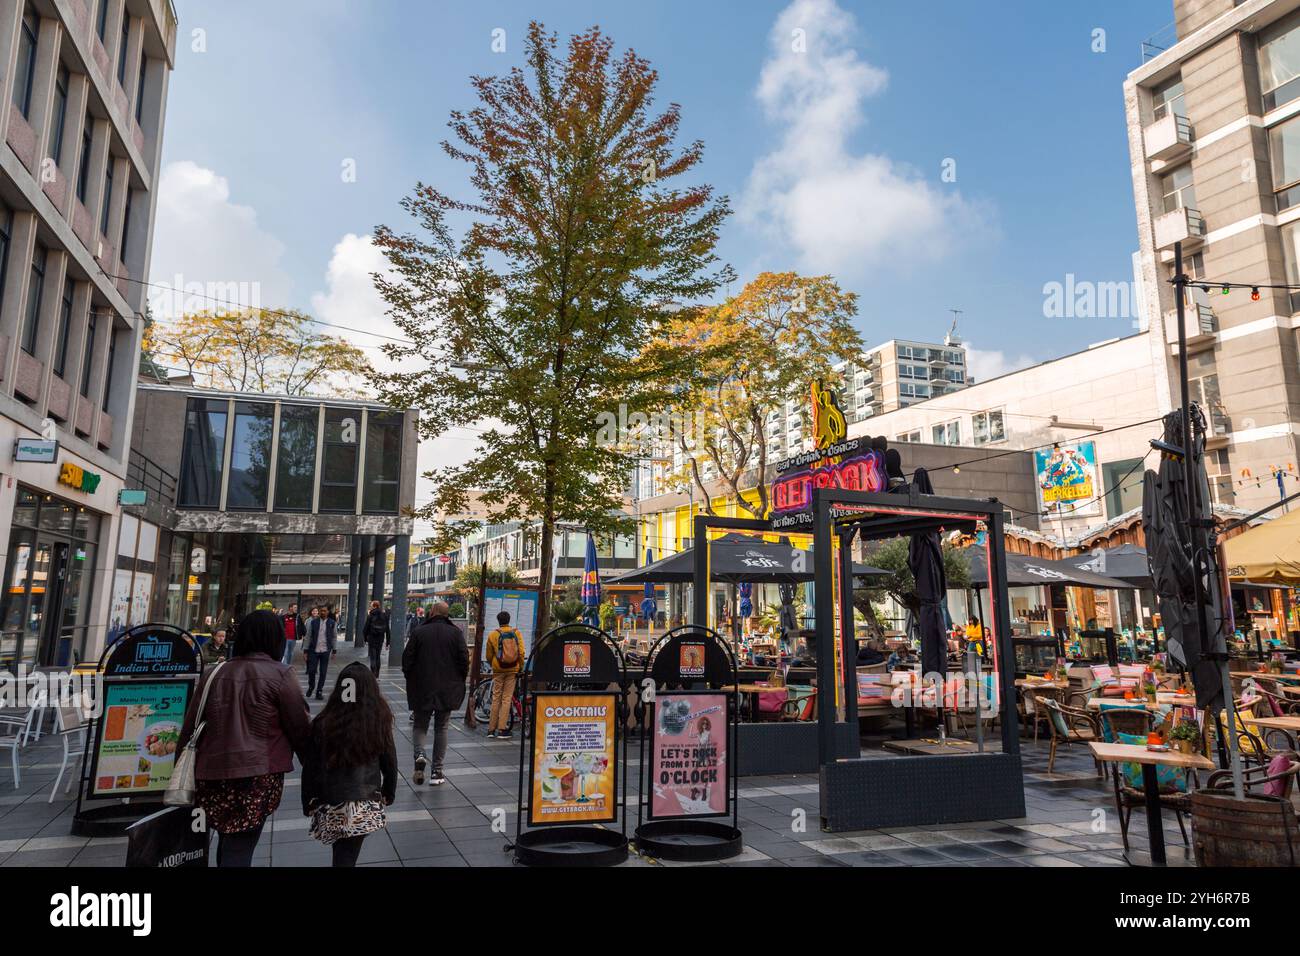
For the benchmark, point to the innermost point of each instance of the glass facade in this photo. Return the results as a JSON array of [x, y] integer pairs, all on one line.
[[383, 463], [295, 466], [250, 457], [203, 455], [49, 580], [338, 480], [1279, 62]]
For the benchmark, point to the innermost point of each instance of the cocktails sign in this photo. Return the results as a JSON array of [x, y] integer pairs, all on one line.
[[574, 774]]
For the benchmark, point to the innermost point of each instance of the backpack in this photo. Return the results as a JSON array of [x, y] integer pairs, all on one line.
[[507, 647]]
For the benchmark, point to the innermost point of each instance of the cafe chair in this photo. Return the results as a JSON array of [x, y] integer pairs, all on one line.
[[1274, 782], [70, 727], [16, 732], [1251, 746], [801, 703], [1130, 725], [1034, 711], [1070, 725]]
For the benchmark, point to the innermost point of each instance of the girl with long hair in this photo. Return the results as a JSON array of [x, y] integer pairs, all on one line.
[[350, 772]]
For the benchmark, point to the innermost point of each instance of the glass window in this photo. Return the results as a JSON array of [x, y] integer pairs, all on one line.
[[1284, 154], [1177, 189], [295, 465], [126, 225], [338, 483], [949, 433], [110, 367], [121, 49], [25, 506], [88, 354], [60, 114], [250, 457], [988, 427], [65, 323], [1279, 62], [83, 171], [1122, 493], [26, 69], [57, 515], [383, 462], [101, 26], [1167, 99], [139, 88], [202, 454], [108, 196], [32, 325]]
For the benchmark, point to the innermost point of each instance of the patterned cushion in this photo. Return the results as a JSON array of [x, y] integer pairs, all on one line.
[[1168, 779]]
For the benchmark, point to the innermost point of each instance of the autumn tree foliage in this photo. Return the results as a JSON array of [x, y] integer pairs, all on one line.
[[530, 305]]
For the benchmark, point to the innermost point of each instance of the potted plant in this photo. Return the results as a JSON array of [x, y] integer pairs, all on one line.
[[1185, 736]]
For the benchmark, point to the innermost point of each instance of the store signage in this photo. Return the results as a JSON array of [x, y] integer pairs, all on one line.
[[577, 658], [574, 774], [1066, 475], [41, 450], [688, 772], [834, 462], [132, 496], [74, 476], [149, 651]]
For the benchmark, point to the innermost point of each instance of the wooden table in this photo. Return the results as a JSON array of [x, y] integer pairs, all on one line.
[[753, 690], [1162, 700], [1026, 684], [1284, 678], [1149, 760]]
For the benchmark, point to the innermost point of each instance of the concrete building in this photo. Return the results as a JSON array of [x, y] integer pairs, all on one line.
[[1214, 140], [82, 98], [257, 499]]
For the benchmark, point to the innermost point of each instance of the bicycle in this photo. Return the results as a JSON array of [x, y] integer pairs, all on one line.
[[483, 702]]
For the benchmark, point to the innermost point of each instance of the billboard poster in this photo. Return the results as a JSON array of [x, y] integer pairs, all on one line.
[[1066, 476], [521, 604], [135, 743], [688, 768], [574, 774]]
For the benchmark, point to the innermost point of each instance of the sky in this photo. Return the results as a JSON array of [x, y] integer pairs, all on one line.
[[959, 160]]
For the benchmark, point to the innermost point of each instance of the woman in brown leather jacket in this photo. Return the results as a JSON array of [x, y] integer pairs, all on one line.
[[256, 719]]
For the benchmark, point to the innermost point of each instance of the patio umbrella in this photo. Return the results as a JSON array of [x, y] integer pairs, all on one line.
[[591, 585], [649, 607], [746, 604], [1125, 562], [1268, 554], [1026, 571], [737, 558], [925, 558]]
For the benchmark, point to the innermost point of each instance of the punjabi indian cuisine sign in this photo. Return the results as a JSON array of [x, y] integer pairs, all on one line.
[[835, 462]]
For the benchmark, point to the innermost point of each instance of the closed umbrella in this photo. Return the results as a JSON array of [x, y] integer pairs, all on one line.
[[649, 607], [746, 602], [591, 585], [925, 558]]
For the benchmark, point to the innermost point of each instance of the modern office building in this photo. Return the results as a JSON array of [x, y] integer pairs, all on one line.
[[256, 500], [1214, 140], [82, 98]]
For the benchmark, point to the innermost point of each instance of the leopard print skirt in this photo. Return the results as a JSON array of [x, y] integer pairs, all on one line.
[[354, 818]]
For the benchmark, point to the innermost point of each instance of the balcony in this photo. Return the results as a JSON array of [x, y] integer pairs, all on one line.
[[1182, 225], [1168, 138], [938, 360], [1199, 326]]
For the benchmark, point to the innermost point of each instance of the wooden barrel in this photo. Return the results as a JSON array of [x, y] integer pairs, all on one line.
[[1256, 830]]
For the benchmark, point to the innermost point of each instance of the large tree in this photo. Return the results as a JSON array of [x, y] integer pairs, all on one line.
[[757, 351], [529, 313], [258, 350]]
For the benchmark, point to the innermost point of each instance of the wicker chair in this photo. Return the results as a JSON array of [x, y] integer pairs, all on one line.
[[1137, 721], [1257, 777], [1033, 712], [1069, 725]]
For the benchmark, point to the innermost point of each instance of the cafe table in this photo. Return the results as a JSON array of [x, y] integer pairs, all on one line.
[[1286, 678], [1289, 724], [1162, 700], [1149, 760], [753, 690]]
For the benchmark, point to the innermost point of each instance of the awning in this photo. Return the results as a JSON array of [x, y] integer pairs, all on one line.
[[1127, 562], [1268, 553], [1026, 571]]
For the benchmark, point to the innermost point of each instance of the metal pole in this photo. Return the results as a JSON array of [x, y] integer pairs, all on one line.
[[362, 606], [824, 616], [476, 649], [1197, 533], [401, 575], [349, 615]]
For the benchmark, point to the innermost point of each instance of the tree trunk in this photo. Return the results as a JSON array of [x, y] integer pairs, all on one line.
[[862, 602], [544, 577]]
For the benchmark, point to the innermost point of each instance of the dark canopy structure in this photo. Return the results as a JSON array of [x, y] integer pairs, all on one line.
[[1126, 562], [735, 559], [1026, 571]]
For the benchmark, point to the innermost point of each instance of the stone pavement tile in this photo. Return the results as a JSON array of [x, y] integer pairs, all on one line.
[[915, 855], [965, 852], [785, 849], [923, 837], [1048, 845], [862, 858], [1048, 860], [1097, 841], [456, 818], [817, 859], [879, 841], [43, 857], [446, 859], [1008, 848], [832, 845], [1100, 859]]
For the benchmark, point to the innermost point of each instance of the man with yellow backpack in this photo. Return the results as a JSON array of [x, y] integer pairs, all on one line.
[[505, 652]]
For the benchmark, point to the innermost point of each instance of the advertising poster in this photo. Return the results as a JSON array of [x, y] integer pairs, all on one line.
[[689, 756], [1066, 475], [135, 748], [521, 604], [574, 776]]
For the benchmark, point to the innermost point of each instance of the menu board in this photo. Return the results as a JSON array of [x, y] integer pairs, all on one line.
[[135, 742], [521, 604], [574, 773]]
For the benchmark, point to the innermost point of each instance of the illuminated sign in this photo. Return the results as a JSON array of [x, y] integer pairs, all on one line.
[[74, 476], [36, 449]]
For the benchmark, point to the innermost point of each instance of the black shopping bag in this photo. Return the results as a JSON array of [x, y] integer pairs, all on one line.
[[167, 839]]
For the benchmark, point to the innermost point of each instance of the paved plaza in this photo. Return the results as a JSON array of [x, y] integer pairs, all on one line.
[[1070, 818]]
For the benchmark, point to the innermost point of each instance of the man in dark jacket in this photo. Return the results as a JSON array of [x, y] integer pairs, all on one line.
[[436, 664], [319, 648], [375, 632]]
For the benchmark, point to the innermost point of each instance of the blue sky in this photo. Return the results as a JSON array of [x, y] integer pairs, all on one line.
[[833, 158]]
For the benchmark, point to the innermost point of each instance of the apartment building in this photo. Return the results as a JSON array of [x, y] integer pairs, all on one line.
[[82, 98], [1213, 118]]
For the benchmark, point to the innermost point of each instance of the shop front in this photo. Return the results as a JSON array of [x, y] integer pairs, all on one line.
[[45, 610]]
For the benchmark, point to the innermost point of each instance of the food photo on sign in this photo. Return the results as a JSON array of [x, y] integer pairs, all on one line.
[[689, 768]]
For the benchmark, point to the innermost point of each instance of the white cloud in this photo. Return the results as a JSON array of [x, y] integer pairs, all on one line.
[[209, 251], [837, 209], [986, 364]]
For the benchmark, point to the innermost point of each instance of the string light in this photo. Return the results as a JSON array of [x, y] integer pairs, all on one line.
[[1254, 294]]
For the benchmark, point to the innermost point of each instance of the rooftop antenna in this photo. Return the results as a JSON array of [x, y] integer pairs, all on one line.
[[952, 338]]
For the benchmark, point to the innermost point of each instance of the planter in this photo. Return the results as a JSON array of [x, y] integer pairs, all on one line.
[[1184, 746], [1256, 830]]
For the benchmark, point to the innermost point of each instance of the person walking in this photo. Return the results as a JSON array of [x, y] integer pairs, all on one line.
[[293, 628], [255, 721], [322, 630], [435, 663], [375, 632], [215, 649], [350, 772], [505, 654]]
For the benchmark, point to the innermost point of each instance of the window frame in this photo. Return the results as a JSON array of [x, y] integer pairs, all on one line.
[[25, 60], [32, 320], [59, 360]]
